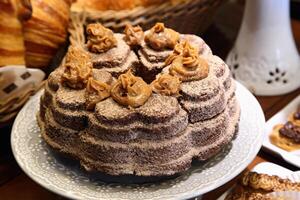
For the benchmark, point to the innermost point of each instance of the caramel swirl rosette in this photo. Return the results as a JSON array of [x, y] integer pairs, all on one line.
[[96, 91], [130, 90], [160, 38], [100, 39], [134, 35], [166, 84], [177, 51], [78, 68], [187, 65]]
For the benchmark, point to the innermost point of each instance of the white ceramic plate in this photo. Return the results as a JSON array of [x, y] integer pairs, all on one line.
[[272, 169], [281, 118], [65, 178]]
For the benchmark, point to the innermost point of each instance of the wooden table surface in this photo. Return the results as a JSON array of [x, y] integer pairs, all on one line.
[[14, 184]]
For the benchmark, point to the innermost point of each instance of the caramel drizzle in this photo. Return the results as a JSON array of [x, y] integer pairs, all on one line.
[[100, 39], [130, 90]]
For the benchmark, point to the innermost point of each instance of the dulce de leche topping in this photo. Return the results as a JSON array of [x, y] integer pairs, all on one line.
[[130, 90], [78, 68], [100, 39], [160, 38], [96, 91], [166, 84], [187, 65], [133, 35]]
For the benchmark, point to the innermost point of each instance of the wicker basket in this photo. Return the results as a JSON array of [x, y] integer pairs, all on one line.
[[192, 16], [17, 85]]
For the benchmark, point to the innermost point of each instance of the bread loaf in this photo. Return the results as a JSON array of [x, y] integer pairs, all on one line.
[[45, 31], [12, 13]]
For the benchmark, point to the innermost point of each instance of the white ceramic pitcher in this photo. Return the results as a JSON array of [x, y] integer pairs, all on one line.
[[264, 57]]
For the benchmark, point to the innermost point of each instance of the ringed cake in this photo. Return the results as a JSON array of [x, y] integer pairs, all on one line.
[[130, 121]]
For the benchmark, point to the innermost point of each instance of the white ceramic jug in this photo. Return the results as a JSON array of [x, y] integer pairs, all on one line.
[[264, 57]]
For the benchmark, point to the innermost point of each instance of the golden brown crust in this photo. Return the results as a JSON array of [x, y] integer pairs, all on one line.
[[269, 183], [186, 63], [160, 38], [166, 84], [100, 39], [45, 31], [130, 90], [256, 186], [12, 13], [24, 10], [96, 91]]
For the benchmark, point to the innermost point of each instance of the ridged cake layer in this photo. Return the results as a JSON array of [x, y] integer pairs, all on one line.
[[152, 61], [203, 99], [104, 126], [200, 140], [117, 60], [160, 118]]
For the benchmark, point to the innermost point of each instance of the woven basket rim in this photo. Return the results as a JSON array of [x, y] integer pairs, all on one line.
[[139, 16], [142, 15], [138, 9]]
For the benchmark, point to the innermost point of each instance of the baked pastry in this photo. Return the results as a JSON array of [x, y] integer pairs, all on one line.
[[257, 186], [12, 14], [109, 51], [287, 136], [138, 128], [45, 31], [158, 44]]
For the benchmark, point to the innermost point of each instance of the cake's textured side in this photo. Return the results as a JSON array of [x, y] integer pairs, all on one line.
[[189, 112], [144, 157]]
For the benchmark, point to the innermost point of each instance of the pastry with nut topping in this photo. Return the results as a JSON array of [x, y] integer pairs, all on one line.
[[254, 186], [121, 123]]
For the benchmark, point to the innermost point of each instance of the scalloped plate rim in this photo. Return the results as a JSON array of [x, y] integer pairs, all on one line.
[[192, 193]]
